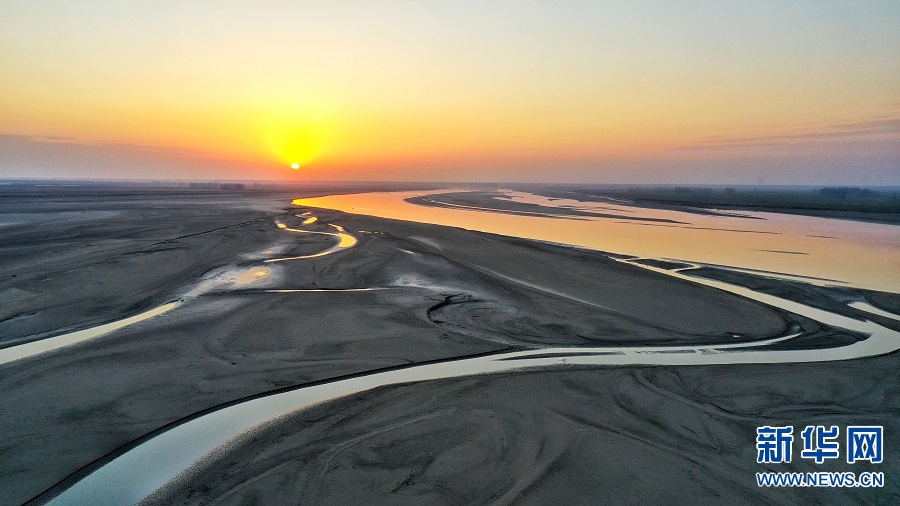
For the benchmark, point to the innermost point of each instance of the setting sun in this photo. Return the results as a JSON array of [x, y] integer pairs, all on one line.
[[295, 166], [597, 92]]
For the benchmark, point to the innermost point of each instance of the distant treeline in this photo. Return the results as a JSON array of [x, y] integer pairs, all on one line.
[[838, 192], [843, 192], [835, 201], [217, 186]]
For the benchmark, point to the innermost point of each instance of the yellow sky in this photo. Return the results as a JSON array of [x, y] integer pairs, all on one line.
[[498, 91]]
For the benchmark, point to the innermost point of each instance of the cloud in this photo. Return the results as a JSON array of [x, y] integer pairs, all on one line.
[[877, 129], [35, 138], [52, 138], [159, 149], [13, 139], [69, 157]]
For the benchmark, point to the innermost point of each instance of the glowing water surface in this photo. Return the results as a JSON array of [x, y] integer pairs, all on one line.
[[864, 255], [252, 275], [345, 240], [52, 343]]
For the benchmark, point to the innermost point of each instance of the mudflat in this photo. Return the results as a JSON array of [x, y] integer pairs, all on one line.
[[674, 435], [405, 293]]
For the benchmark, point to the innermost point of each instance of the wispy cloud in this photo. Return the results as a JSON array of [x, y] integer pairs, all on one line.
[[878, 128], [69, 157], [12, 139], [159, 149], [54, 138], [36, 138]]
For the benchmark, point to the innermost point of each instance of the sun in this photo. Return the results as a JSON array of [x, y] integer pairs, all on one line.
[[296, 131]]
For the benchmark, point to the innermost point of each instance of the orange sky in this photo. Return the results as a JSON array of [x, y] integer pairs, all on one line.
[[730, 92]]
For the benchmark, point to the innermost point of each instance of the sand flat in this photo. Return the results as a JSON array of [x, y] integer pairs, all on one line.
[[439, 293]]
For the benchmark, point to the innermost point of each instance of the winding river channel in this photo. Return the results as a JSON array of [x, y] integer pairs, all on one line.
[[138, 472]]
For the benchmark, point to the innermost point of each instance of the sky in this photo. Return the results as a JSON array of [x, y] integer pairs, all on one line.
[[638, 91]]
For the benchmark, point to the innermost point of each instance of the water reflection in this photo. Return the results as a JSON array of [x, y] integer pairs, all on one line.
[[52, 343], [345, 240], [252, 275], [864, 255]]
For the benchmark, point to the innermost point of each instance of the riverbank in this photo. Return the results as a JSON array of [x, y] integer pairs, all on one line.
[[404, 293], [876, 205], [620, 435], [802, 246]]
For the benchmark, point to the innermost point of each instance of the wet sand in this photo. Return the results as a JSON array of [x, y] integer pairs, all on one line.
[[653, 435], [72, 262], [879, 207], [494, 202], [440, 293], [857, 254]]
